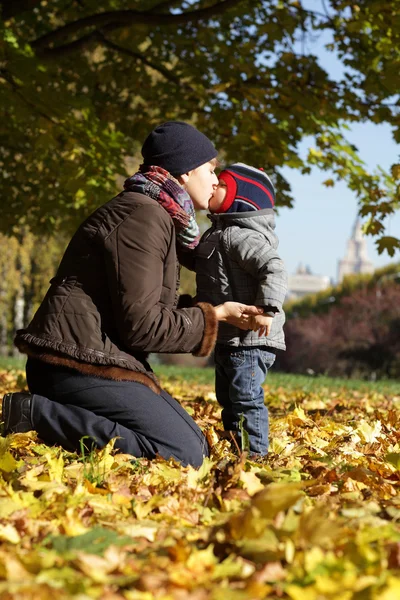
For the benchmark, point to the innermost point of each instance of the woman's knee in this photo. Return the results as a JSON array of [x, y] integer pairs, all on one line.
[[192, 453], [198, 452]]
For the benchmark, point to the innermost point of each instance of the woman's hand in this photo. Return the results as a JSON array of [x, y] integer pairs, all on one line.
[[237, 314]]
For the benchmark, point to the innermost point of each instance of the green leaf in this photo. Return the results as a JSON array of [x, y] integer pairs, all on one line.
[[394, 459], [95, 541], [389, 244], [244, 436]]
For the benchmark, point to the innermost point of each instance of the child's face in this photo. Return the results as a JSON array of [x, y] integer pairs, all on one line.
[[218, 197]]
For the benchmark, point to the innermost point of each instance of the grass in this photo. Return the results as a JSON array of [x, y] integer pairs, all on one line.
[[12, 362], [288, 381], [205, 376], [310, 383]]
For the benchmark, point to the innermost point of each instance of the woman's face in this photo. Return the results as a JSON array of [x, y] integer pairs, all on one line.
[[200, 184]]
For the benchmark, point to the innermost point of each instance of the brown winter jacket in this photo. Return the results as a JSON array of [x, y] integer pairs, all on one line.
[[114, 297]]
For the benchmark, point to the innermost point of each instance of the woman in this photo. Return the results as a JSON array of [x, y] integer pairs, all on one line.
[[114, 300]]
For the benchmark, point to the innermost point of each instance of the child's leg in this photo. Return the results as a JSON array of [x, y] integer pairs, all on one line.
[[241, 373], [222, 382]]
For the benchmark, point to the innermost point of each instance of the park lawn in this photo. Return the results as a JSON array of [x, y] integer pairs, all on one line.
[[205, 375], [317, 520], [288, 381]]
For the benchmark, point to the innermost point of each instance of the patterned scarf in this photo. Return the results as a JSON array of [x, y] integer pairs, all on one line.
[[161, 186]]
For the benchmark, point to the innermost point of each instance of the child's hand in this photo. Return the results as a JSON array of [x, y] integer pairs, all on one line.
[[262, 324], [237, 314]]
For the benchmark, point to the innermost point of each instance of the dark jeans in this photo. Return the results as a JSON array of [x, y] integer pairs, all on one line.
[[239, 375], [67, 405]]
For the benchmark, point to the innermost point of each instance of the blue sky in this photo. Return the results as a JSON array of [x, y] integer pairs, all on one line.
[[316, 230]]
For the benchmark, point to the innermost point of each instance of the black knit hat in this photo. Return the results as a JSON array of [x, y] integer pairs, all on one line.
[[247, 189], [177, 147]]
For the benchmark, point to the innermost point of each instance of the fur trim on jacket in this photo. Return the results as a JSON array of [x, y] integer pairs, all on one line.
[[101, 371], [210, 330]]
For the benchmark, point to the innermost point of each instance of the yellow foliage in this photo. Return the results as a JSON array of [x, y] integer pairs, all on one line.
[[27, 264], [317, 519]]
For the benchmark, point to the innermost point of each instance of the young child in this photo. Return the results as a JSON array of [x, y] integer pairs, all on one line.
[[237, 260]]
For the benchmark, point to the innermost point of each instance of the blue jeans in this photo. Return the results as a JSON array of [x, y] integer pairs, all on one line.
[[239, 375], [67, 405]]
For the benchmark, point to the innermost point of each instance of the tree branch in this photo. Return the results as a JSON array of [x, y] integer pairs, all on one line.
[[8, 78], [163, 5], [169, 75], [121, 18], [78, 44]]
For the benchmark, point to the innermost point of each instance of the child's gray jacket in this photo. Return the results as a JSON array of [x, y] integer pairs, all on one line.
[[237, 259]]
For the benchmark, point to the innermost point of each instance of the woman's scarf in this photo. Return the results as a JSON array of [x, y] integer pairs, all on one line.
[[161, 186]]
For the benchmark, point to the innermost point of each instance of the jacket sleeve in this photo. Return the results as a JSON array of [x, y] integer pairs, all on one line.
[[186, 258], [135, 255], [255, 255]]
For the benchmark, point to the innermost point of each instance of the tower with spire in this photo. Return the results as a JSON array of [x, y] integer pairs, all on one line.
[[356, 259]]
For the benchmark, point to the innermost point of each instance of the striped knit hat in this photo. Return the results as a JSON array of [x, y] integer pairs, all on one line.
[[247, 189]]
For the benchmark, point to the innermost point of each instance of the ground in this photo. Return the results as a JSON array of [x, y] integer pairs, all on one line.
[[317, 520]]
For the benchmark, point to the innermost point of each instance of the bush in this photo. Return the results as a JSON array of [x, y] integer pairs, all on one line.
[[322, 301]]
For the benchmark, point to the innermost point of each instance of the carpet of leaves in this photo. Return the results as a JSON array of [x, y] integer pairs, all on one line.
[[317, 520]]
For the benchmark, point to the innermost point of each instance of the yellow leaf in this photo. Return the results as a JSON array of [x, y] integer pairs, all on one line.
[[251, 482], [315, 527], [257, 591], [392, 591], [299, 417], [7, 507], [92, 489], [15, 571], [201, 560], [369, 433], [276, 497], [195, 476], [328, 586], [55, 465], [299, 593], [7, 463], [17, 500], [149, 532], [9, 533], [290, 551], [120, 499], [72, 523], [163, 472], [313, 558], [137, 595], [142, 509], [233, 566], [96, 567], [278, 445], [315, 153]]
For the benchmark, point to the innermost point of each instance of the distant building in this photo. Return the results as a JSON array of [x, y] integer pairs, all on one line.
[[356, 259], [304, 282]]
